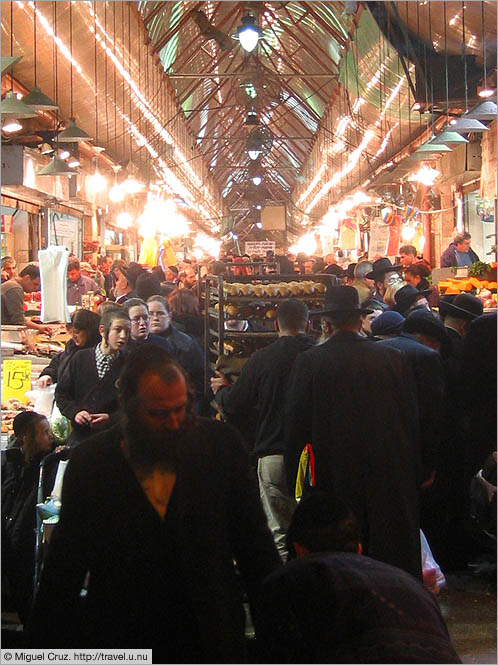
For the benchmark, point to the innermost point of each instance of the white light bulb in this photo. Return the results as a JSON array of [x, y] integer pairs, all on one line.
[[408, 233], [248, 37], [116, 194], [132, 186], [253, 154], [73, 163], [97, 182], [64, 154], [124, 219], [11, 126], [257, 180]]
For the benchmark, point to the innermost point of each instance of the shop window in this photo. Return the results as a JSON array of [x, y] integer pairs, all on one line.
[[480, 223]]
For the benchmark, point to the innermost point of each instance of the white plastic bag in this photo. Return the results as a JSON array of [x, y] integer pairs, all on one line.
[[432, 574], [43, 399], [53, 273]]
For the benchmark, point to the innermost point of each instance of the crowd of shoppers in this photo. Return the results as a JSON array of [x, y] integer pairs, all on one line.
[[163, 505]]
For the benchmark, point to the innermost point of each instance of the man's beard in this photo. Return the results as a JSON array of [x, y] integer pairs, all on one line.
[[148, 449]]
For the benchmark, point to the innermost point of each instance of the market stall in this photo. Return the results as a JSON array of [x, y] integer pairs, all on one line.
[[25, 353]]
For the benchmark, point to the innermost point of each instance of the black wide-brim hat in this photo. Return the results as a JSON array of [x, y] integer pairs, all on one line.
[[406, 296], [380, 267], [340, 300], [464, 306], [132, 271], [443, 303]]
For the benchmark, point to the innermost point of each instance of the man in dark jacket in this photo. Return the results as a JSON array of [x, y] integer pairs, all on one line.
[[353, 400], [426, 368], [478, 384], [459, 252], [156, 510], [262, 385], [332, 605]]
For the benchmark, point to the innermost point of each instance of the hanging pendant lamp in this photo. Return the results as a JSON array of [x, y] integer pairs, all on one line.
[[427, 149], [448, 136], [73, 133], [9, 61], [16, 107], [466, 124], [36, 98], [57, 166], [483, 111]]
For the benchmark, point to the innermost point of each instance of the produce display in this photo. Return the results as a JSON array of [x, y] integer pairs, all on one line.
[[484, 290]]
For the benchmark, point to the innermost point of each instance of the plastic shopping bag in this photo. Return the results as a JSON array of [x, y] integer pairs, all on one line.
[[432, 574]]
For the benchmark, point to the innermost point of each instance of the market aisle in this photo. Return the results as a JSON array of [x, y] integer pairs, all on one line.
[[468, 604]]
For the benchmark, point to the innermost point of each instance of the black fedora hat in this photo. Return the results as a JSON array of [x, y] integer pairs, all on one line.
[[464, 306], [406, 296], [349, 271], [131, 272], [380, 267], [340, 300], [444, 301]]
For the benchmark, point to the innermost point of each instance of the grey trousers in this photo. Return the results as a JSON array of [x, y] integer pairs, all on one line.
[[277, 503]]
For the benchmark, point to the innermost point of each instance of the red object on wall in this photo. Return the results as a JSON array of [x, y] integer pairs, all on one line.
[[7, 223], [394, 236]]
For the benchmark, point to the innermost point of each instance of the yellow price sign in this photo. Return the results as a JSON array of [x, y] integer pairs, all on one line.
[[16, 379]]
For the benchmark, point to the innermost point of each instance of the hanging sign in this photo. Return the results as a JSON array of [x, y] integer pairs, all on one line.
[[16, 379], [379, 238], [260, 247], [349, 234]]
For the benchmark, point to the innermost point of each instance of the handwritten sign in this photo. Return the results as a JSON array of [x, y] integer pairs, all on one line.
[[259, 247], [16, 379]]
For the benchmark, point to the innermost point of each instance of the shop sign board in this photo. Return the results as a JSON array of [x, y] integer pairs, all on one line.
[[259, 247], [65, 230], [16, 379], [379, 239]]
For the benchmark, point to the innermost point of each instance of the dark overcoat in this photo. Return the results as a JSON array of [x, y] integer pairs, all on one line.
[[429, 380], [109, 528], [80, 389], [355, 402]]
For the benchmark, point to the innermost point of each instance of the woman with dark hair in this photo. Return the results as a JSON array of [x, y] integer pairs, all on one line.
[[184, 307], [84, 329], [20, 476]]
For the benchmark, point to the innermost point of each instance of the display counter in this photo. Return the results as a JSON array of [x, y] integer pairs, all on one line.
[[21, 343]]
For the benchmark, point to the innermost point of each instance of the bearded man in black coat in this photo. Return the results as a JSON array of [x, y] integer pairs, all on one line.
[[355, 402], [156, 510]]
